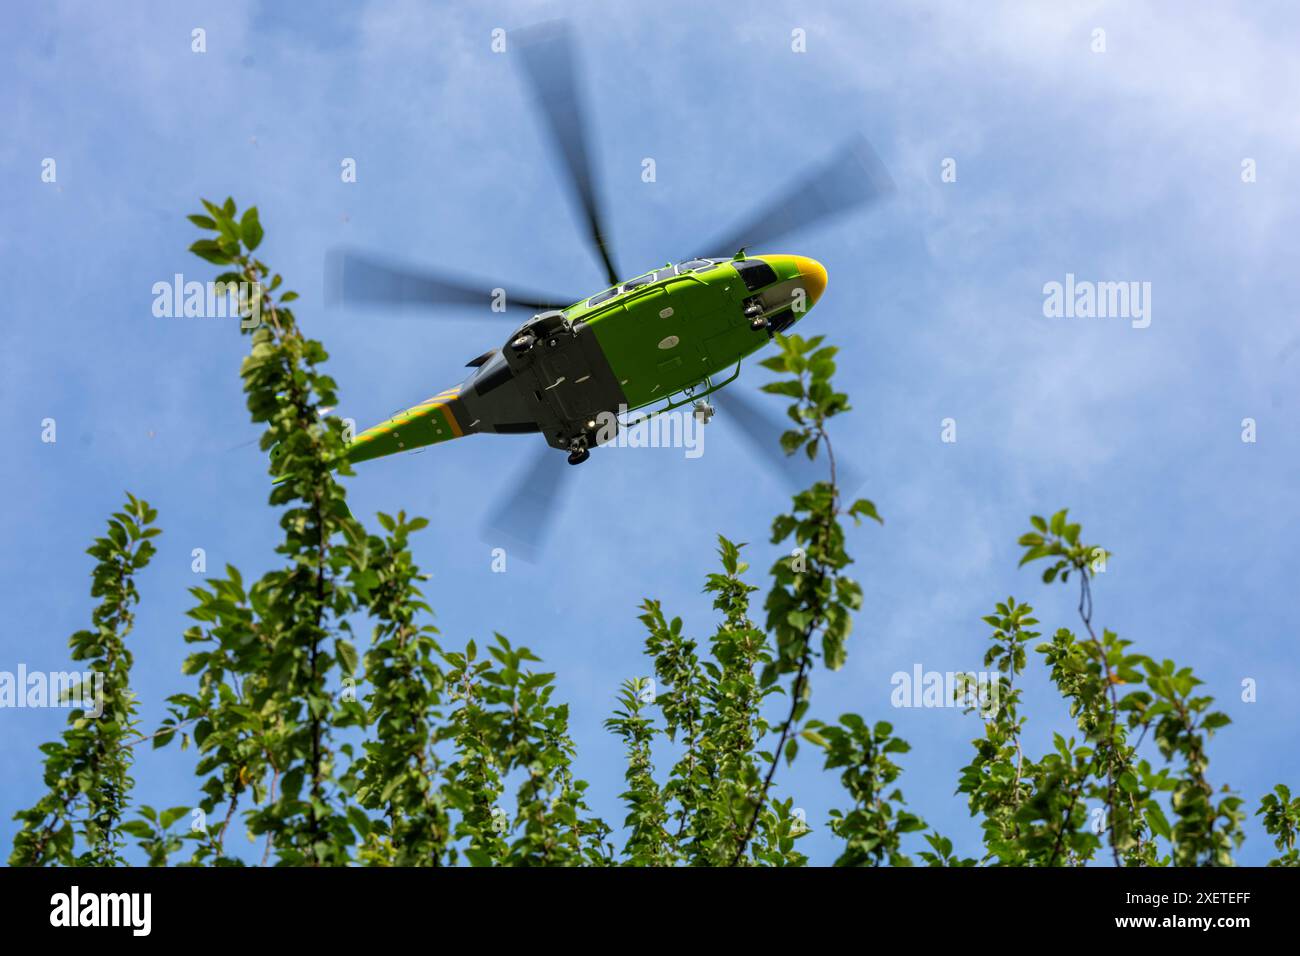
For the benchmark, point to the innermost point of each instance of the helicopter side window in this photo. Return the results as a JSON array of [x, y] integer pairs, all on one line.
[[693, 265], [638, 282], [600, 297]]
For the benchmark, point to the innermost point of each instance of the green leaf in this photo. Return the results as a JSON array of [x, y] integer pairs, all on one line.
[[250, 230], [171, 815], [137, 828], [1216, 720], [212, 251], [1157, 820], [347, 655], [792, 388], [864, 508]]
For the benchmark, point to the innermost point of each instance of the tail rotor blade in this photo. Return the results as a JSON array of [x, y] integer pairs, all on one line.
[[853, 176], [548, 59]]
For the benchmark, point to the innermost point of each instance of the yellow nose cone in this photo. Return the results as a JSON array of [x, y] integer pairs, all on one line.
[[813, 275]]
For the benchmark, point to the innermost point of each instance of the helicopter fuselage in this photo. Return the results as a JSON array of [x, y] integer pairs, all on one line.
[[657, 340]]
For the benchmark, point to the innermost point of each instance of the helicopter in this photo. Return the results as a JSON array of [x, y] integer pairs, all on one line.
[[658, 339], [646, 345]]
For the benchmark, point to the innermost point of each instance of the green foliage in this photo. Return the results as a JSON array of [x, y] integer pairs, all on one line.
[[711, 708], [503, 722], [1281, 816], [265, 712], [648, 841], [153, 833], [811, 595], [79, 821], [873, 829], [995, 781], [395, 776], [1056, 809]]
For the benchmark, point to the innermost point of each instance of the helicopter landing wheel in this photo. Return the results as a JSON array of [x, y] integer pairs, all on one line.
[[758, 324], [524, 342], [578, 456]]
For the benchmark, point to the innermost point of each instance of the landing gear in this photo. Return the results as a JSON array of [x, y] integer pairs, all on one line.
[[758, 323], [544, 326], [703, 411], [578, 451]]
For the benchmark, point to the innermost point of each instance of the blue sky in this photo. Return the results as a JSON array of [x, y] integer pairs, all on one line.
[[1115, 166]]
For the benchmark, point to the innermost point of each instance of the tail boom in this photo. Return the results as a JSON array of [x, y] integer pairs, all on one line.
[[438, 419]]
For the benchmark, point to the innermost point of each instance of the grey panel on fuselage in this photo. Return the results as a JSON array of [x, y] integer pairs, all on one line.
[[560, 386]]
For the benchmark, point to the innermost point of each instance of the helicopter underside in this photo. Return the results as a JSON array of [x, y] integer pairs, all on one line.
[[556, 386]]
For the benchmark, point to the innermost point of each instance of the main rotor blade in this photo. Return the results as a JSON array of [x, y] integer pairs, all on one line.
[[527, 515], [853, 176], [548, 58], [355, 279], [762, 432]]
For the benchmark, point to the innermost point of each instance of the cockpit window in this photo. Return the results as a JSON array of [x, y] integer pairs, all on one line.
[[755, 272]]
